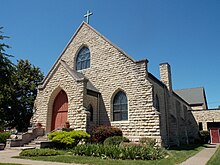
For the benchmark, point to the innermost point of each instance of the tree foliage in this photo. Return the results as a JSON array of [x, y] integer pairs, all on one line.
[[6, 72], [26, 79], [18, 89]]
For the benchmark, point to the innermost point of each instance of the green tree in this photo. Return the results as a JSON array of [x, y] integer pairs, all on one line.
[[26, 79], [18, 90], [6, 71]]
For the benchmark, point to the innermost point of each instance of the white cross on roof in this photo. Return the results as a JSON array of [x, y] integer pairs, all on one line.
[[88, 13]]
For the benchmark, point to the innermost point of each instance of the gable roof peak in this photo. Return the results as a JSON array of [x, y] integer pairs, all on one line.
[[71, 39]]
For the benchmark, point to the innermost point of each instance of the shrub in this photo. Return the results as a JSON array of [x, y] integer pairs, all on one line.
[[148, 141], [130, 144], [100, 133], [89, 150], [2, 127], [119, 152], [115, 140], [63, 139], [205, 136], [40, 152], [4, 136]]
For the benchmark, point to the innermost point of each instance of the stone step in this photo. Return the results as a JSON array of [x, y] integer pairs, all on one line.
[[32, 147], [31, 143], [42, 138], [36, 143]]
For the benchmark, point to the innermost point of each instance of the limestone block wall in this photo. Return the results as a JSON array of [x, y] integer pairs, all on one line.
[[111, 70], [205, 116], [193, 129], [160, 92], [180, 121], [183, 126], [61, 80], [173, 116], [181, 111], [177, 116], [93, 101], [165, 75], [173, 121]]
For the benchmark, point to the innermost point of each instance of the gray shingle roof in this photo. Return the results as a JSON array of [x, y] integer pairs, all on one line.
[[193, 95]]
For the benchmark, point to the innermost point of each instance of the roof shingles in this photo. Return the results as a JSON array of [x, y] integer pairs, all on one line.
[[193, 96]]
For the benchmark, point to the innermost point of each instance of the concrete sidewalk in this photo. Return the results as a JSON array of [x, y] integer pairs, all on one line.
[[7, 154], [202, 157]]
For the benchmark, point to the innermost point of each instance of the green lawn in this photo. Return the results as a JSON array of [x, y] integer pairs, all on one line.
[[176, 155], [215, 159]]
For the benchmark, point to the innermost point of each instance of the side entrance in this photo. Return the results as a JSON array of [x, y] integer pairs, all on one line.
[[214, 133], [214, 128], [60, 111]]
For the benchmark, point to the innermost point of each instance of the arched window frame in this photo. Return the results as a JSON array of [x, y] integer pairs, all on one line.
[[157, 103], [120, 106], [83, 59]]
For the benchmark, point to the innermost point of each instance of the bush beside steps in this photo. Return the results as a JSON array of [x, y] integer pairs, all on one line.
[[108, 143]]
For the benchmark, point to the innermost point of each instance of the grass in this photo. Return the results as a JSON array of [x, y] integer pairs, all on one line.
[[180, 154], [176, 155], [215, 159]]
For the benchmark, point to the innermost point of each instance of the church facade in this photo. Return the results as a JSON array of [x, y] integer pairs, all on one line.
[[94, 82]]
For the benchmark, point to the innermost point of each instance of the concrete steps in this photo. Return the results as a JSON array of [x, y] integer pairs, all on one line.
[[36, 143]]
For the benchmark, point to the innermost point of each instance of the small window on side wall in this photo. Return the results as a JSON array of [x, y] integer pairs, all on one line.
[[200, 126], [120, 107], [83, 59], [90, 109], [157, 103]]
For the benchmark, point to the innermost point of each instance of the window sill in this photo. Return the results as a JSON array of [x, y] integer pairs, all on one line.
[[122, 121], [81, 70]]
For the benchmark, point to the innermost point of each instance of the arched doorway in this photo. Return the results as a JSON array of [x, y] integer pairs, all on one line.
[[60, 110]]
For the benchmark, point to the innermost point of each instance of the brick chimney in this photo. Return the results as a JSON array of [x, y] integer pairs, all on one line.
[[165, 75]]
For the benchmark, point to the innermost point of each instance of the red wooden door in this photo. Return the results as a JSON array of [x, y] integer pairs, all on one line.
[[60, 110], [214, 135]]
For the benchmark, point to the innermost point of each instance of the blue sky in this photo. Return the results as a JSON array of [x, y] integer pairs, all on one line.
[[184, 33]]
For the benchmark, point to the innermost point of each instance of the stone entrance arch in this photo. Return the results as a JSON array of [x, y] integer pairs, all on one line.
[[60, 110]]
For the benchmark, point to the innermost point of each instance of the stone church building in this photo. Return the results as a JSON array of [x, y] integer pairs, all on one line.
[[94, 82]]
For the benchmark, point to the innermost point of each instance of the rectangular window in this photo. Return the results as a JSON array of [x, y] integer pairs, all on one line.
[[200, 126]]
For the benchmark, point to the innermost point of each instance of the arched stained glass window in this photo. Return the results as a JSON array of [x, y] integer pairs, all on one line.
[[120, 107], [83, 59]]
